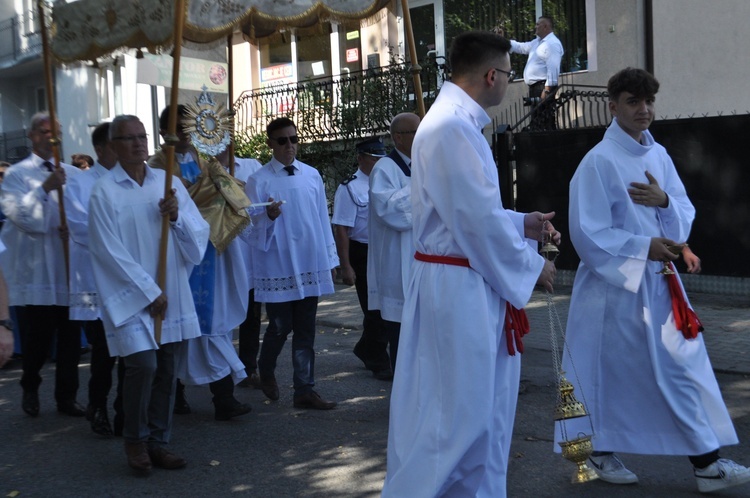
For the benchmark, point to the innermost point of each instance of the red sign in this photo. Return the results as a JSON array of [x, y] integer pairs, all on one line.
[[352, 54]]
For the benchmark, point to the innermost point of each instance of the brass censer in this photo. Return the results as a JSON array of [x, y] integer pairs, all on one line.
[[576, 450]]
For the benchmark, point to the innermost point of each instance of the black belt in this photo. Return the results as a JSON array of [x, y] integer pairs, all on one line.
[[542, 82]]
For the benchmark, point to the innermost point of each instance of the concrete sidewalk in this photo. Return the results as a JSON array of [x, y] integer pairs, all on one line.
[[726, 320]]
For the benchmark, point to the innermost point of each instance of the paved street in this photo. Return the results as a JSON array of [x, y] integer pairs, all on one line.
[[279, 451]]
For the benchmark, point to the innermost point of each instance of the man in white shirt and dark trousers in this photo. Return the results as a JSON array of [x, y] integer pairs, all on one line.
[[350, 219], [34, 267], [542, 71], [294, 255], [84, 300]]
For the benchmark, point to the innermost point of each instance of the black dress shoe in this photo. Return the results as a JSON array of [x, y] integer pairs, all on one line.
[[100, 422], [384, 374], [226, 411], [71, 408], [30, 403], [270, 388], [312, 400], [181, 405]]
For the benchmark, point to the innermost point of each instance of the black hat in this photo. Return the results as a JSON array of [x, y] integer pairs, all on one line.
[[372, 147]]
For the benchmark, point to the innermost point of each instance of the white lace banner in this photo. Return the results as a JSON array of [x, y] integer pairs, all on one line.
[[87, 29]]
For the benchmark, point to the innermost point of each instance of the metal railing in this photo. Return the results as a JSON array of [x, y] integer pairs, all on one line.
[[19, 38], [575, 106], [339, 107]]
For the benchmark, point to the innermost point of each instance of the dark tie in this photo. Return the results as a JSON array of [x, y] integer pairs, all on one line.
[[48, 165], [290, 170]]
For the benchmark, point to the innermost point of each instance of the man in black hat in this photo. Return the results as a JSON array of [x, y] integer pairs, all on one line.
[[350, 210]]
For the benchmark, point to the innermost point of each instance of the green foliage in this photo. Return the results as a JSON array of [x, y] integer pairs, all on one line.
[[253, 146]]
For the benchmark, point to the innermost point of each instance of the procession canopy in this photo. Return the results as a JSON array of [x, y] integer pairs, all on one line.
[[89, 29]]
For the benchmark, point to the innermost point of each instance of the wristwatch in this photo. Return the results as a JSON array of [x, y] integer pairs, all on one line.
[[7, 323]]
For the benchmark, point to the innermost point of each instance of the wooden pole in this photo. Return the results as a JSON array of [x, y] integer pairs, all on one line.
[[230, 100], [170, 140], [55, 140], [416, 69]]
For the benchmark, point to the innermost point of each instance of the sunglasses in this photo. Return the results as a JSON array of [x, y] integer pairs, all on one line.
[[282, 140]]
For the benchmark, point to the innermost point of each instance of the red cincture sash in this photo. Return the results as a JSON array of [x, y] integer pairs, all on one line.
[[516, 321], [685, 318]]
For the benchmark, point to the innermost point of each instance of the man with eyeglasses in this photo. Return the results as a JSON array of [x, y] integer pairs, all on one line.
[[456, 382], [391, 249], [542, 70], [294, 256], [125, 218], [350, 222], [34, 267]]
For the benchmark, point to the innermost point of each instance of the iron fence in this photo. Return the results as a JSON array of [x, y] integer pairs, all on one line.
[[339, 107], [19, 38], [14, 146], [575, 106]]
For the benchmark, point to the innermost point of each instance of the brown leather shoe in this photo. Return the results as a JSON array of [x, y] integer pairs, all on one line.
[[164, 459], [138, 458], [270, 388], [312, 400]]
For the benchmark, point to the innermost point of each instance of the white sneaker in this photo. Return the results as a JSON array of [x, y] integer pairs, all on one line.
[[721, 474], [610, 468]]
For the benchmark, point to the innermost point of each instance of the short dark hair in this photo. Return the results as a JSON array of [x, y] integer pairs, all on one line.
[[77, 159], [278, 124], [164, 116], [549, 20], [637, 81], [100, 135], [473, 49]]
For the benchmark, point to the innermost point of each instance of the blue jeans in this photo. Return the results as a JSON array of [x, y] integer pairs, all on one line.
[[283, 318]]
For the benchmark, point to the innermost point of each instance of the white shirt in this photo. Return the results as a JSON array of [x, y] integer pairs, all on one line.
[[84, 301], [391, 249], [350, 206], [125, 229], [34, 262], [545, 55], [292, 255], [243, 168]]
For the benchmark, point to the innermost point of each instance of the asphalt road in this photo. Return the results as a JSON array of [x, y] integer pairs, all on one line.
[[279, 451]]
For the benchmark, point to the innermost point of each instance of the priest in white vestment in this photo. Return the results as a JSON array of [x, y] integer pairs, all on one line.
[[125, 218], [456, 381], [647, 384]]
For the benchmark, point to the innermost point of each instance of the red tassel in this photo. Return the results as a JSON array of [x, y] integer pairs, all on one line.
[[516, 326], [685, 318]]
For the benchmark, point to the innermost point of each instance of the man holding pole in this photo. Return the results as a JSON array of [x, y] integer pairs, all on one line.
[[125, 214], [35, 269]]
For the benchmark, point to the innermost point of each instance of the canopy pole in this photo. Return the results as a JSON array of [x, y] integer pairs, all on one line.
[[415, 69], [54, 140], [230, 100], [170, 141]]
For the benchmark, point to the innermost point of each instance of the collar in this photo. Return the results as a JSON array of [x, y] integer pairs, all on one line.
[[278, 167], [121, 176], [616, 133], [406, 158], [464, 104]]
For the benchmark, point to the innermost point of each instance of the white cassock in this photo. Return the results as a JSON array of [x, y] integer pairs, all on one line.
[[292, 255], [124, 234], [455, 386], [34, 263], [647, 388], [84, 301], [391, 248]]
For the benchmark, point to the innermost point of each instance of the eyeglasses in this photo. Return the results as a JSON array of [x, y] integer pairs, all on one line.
[[132, 138], [282, 140], [511, 74]]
